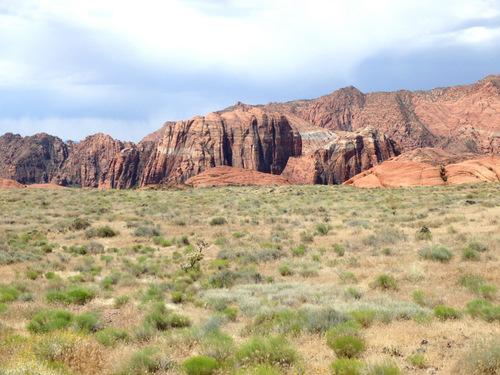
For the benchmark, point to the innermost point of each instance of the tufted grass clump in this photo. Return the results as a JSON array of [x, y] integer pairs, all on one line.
[[217, 221], [347, 346], [200, 365], [365, 318], [271, 350], [469, 254], [385, 282], [482, 358], [50, 320], [436, 253], [446, 313], [417, 360], [347, 366]]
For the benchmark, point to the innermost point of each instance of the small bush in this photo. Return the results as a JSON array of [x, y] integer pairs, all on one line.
[[102, 232], [121, 301], [446, 313], [323, 229], [145, 361], [79, 224], [491, 314], [272, 350], [146, 231], [299, 251], [347, 346], [231, 313], [437, 253], [346, 366], [79, 296], [55, 296], [383, 368], [475, 243], [218, 221], [469, 254], [87, 322], [110, 336], [475, 308], [285, 270], [352, 293], [348, 278], [200, 365], [385, 282], [364, 317], [32, 274], [50, 320], [339, 250], [417, 360]]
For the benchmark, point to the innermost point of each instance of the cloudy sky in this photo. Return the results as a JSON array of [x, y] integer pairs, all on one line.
[[73, 68]]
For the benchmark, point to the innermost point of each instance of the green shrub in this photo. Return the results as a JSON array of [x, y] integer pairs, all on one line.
[[475, 243], [475, 308], [102, 232], [299, 251], [87, 322], [179, 321], [417, 360], [383, 368], [446, 313], [79, 224], [348, 278], [200, 365], [218, 221], [55, 296], [339, 250], [469, 254], [438, 253], [262, 369], [231, 313], [491, 314], [177, 297], [32, 274], [145, 361], [348, 328], [110, 336], [146, 231], [385, 282], [216, 344], [364, 317], [50, 320], [352, 293], [346, 366], [347, 346], [272, 350], [323, 229], [120, 301], [285, 270], [79, 296]]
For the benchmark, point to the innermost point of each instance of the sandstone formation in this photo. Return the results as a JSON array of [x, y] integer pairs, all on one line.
[[460, 118], [323, 141], [224, 175], [5, 183], [394, 173]]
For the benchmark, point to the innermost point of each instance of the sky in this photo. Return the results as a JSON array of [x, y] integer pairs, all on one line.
[[73, 68]]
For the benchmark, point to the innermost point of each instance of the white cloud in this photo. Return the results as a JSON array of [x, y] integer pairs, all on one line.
[[104, 57]]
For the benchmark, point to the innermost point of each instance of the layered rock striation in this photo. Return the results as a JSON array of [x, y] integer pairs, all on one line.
[[323, 141]]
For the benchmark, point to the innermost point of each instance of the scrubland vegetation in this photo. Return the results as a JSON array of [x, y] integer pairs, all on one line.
[[250, 280]]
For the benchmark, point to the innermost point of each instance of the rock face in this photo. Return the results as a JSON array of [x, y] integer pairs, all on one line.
[[323, 141], [461, 118], [398, 173], [224, 175]]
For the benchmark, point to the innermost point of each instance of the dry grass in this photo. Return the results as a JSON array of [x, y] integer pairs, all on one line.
[[377, 229]]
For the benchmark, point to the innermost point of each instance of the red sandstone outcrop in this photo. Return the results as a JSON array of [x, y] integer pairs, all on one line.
[[6, 183], [461, 118], [224, 175], [250, 139], [326, 140], [342, 157], [394, 173]]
